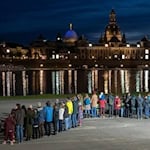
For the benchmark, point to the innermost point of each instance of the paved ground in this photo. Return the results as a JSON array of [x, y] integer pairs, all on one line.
[[95, 134]]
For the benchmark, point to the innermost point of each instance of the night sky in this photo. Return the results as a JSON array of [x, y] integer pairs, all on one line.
[[23, 20]]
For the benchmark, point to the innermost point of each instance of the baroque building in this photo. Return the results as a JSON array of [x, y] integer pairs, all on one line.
[[112, 45], [72, 64]]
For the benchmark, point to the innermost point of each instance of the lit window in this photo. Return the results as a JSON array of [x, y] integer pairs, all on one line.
[[146, 51], [53, 56], [146, 56], [57, 56], [123, 56]]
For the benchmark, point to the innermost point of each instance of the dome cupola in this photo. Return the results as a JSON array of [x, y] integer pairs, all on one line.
[[70, 36]]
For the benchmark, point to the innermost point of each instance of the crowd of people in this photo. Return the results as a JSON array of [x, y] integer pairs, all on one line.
[[35, 122]]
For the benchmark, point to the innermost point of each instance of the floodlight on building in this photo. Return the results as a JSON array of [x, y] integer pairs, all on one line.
[[70, 65], [115, 56], [90, 45], [138, 45], [7, 50], [93, 57], [128, 45], [41, 65], [106, 45], [58, 38], [96, 65], [146, 65], [68, 52]]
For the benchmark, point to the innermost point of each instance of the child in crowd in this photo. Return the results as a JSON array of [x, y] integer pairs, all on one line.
[[9, 126]]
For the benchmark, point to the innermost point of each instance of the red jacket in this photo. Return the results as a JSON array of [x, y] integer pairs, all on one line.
[[117, 103], [9, 124], [102, 103]]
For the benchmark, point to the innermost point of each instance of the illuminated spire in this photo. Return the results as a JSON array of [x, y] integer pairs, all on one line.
[[70, 26]]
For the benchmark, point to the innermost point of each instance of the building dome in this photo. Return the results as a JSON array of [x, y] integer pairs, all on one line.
[[70, 35]]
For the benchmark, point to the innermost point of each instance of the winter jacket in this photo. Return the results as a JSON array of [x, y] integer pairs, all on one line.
[[117, 103], [70, 107], [94, 100], [48, 110], [19, 116]]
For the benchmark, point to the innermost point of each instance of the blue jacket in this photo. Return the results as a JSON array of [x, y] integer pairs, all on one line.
[[48, 110]]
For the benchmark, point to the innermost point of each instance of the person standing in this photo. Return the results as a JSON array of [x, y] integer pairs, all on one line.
[[102, 102], [9, 127], [70, 111], [56, 116], [94, 101], [117, 103], [146, 107], [48, 110], [61, 117], [80, 114], [87, 104], [19, 117], [29, 122], [41, 118], [110, 105], [75, 111], [66, 117], [140, 101]]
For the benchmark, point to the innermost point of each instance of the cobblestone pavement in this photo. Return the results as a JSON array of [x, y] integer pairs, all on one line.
[[95, 134]]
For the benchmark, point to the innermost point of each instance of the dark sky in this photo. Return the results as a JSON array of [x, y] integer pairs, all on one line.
[[23, 20]]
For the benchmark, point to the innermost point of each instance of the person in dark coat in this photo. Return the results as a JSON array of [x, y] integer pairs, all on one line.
[[29, 122], [19, 117], [56, 116]]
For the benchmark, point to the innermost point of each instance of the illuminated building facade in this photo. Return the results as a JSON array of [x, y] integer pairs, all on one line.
[[72, 64]]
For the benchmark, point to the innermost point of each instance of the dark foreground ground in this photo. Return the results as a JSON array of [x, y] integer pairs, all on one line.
[[95, 134]]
